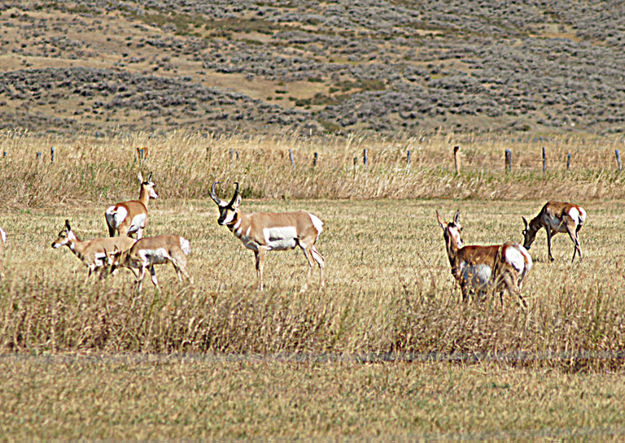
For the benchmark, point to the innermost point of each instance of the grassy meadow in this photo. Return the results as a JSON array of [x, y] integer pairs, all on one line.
[[94, 359]]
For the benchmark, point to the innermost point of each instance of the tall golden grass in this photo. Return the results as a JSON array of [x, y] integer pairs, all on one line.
[[185, 164], [389, 288]]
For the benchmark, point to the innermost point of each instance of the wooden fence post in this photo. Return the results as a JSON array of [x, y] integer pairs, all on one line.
[[457, 159], [52, 154], [408, 154], [315, 157], [292, 159], [618, 159], [544, 161], [568, 161], [364, 157], [508, 160]]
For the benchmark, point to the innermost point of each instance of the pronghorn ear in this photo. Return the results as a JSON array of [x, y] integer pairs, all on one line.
[[67, 225], [237, 202], [140, 177], [457, 217], [441, 223]]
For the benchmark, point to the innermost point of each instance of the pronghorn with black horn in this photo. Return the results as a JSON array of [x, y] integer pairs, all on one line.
[[485, 268], [267, 231], [130, 216], [556, 217], [150, 251], [93, 253], [3, 240]]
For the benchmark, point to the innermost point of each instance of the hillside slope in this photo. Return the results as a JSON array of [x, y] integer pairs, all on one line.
[[334, 66]]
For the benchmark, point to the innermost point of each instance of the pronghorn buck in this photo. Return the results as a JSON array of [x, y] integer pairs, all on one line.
[[267, 231], [3, 240], [129, 217], [150, 251], [485, 268], [556, 217], [93, 253]]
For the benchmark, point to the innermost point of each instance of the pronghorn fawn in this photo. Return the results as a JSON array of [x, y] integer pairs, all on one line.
[[556, 217], [482, 269], [268, 231], [91, 252], [130, 217], [150, 251], [3, 240]]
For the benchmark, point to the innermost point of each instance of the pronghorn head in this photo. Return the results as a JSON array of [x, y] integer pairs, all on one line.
[[66, 236], [116, 259], [227, 211], [148, 185], [528, 234], [451, 230]]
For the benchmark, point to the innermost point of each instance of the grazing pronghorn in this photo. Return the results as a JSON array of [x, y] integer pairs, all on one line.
[[3, 240], [130, 216], [267, 231], [150, 251], [91, 252], [485, 268], [556, 217]]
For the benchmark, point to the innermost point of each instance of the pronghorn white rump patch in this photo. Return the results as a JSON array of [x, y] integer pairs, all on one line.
[[3, 235], [185, 245], [477, 275], [280, 238], [317, 223], [115, 215], [575, 215], [517, 256]]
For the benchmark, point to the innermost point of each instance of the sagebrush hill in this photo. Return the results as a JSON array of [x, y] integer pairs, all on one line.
[[333, 67]]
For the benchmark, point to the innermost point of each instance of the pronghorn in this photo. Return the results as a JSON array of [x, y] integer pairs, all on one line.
[[150, 251], [556, 217], [91, 252], [130, 216], [267, 231], [485, 268], [3, 240]]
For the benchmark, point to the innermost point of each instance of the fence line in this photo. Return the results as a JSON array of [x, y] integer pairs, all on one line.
[[142, 154]]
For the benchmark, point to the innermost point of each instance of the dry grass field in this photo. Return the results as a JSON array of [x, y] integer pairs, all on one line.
[[93, 359]]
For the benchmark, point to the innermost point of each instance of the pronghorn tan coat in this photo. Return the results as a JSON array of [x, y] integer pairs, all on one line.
[[556, 217], [93, 252], [267, 231], [129, 217], [485, 268], [150, 251]]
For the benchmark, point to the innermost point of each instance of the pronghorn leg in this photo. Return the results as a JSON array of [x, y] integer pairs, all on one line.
[[153, 277], [307, 254], [179, 264], [321, 262], [513, 289], [549, 235], [260, 255], [575, 239], [139, 280], [111, 230]]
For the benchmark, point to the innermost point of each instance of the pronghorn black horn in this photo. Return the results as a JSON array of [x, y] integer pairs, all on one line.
[[236, 194], [67, 225], [214, 195], [150, 177]]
